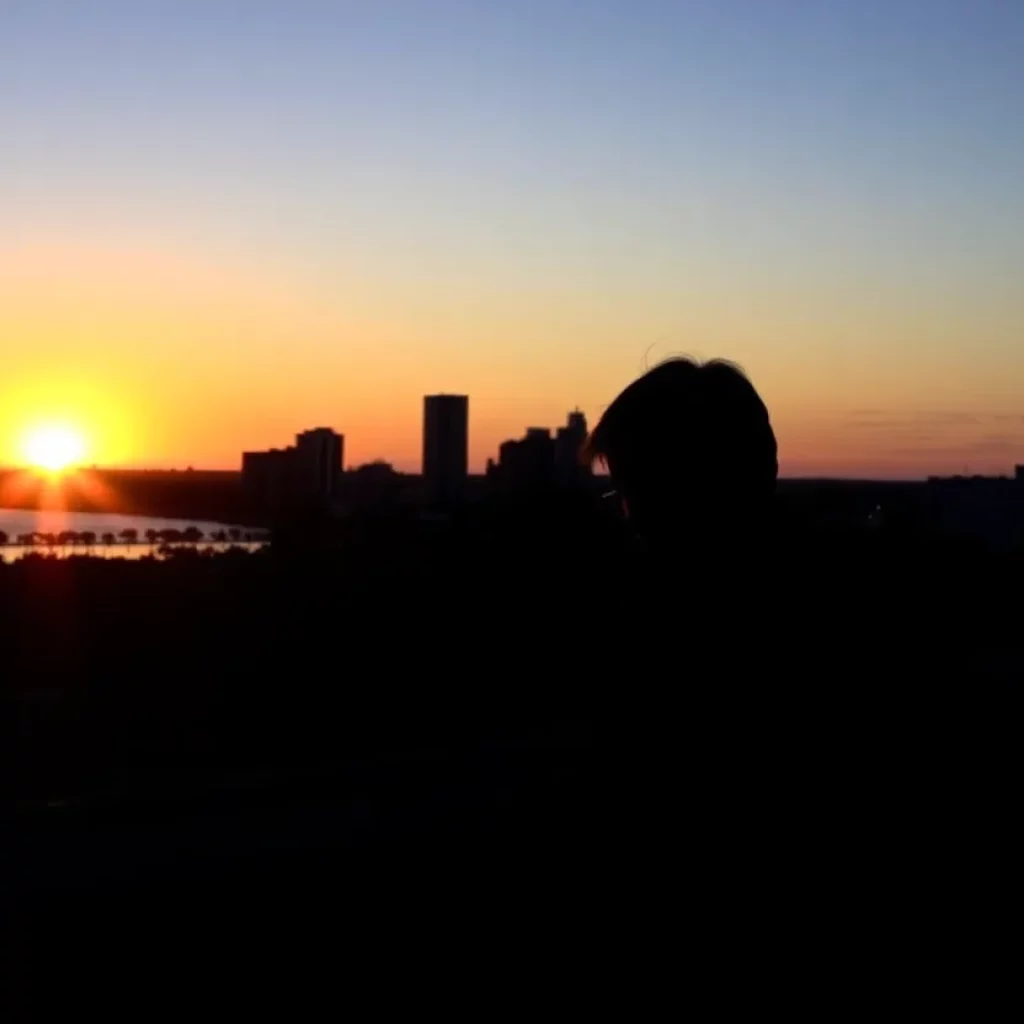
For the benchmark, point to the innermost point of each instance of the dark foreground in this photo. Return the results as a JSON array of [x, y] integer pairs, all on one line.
[[495, 727]]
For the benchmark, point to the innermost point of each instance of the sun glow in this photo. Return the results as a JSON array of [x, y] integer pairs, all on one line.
[[53, 447]]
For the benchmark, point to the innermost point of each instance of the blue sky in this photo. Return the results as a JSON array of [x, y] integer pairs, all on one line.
[[522, 198]]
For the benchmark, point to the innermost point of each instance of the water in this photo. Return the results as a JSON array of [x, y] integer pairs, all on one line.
[[15, 522]]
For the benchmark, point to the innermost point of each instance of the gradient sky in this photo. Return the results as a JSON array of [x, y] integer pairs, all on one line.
[[222, 221]]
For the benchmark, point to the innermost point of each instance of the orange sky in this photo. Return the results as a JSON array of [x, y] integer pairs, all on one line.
[[217, 230], [185, 356]]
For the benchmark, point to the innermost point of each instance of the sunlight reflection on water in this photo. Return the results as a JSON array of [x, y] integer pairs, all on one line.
[[12, 552], [16, 523]]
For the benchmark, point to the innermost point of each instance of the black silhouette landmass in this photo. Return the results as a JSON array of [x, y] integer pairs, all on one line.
[[505, 719]]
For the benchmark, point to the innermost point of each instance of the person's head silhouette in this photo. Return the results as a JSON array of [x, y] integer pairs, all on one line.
[[691, 452]]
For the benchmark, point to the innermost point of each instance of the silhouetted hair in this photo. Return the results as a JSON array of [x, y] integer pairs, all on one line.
[[689, 442]]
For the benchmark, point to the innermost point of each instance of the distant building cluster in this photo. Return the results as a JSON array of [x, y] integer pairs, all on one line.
[[310, 474], [540, 459], [311, 471]]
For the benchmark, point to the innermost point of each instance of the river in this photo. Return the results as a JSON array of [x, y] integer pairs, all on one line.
[[16, 522]]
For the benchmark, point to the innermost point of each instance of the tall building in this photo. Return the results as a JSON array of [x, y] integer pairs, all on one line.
[[267, 478], [445, 445], [569, 442], [319, 457]]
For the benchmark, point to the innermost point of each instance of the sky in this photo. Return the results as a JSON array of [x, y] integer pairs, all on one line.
[[224, 221]]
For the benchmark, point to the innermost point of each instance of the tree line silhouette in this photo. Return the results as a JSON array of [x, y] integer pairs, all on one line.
[[128, 537]]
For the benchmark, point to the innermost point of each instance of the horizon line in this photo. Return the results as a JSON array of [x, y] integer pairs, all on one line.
[[788, 478]]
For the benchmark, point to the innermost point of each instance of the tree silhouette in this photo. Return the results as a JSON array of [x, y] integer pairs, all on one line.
[[235, 534], [130, 535], [219, 536], [109, 539], [88, 539], [49, 540], [152, 536], [192, 535], [27, 540], [3, 538]]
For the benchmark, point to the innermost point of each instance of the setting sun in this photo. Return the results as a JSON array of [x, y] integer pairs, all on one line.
[[53, 448]]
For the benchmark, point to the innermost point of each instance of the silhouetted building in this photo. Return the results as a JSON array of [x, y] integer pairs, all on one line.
[[527, 464], [307, 473], [445, 445], [569, 441], [319, 457], [539, 461], [376, 486], [267, 478]]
